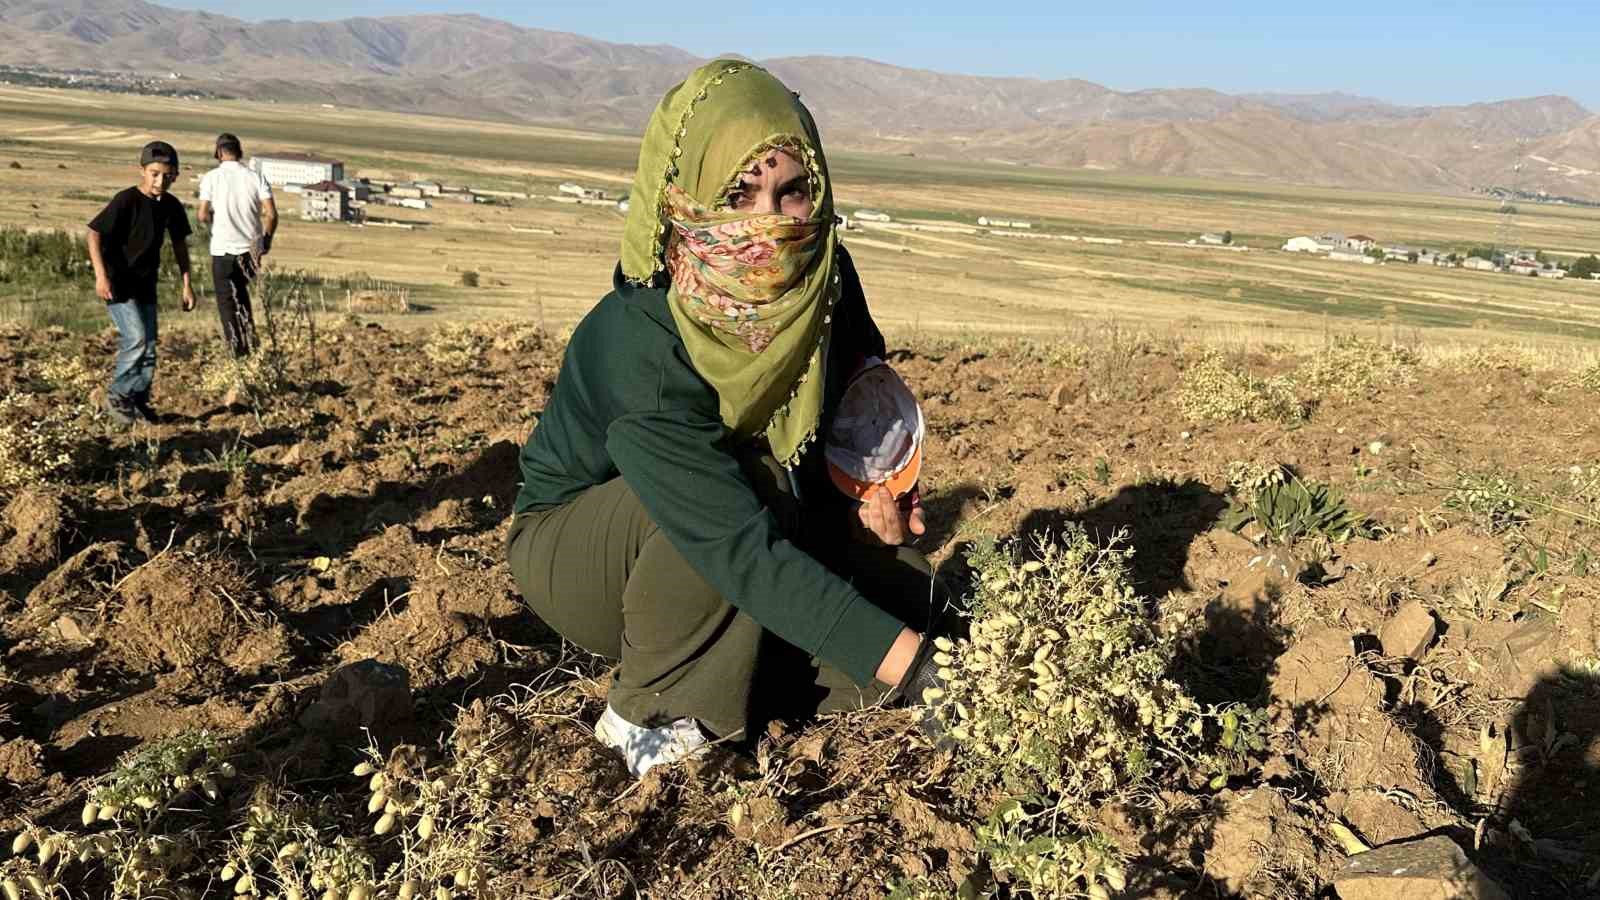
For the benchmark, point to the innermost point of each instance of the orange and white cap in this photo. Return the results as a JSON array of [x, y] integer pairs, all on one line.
[[875, 438]]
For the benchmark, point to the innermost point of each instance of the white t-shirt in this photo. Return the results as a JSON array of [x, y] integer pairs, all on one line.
[[235, 194]]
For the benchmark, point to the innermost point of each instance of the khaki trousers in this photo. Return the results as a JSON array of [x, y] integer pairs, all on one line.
[[601, 574]]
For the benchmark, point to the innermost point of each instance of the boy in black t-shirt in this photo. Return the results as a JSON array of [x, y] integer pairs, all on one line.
[[125, 247]]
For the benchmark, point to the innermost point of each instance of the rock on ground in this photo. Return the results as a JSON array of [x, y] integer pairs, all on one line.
[[1410, 632], [363, 696], [1430, 869]]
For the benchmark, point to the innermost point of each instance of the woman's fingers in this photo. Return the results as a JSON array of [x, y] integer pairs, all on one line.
[[915, 522]]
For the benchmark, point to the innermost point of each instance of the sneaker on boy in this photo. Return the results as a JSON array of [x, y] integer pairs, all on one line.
[[144, 411], [118, 411], [125, 247]]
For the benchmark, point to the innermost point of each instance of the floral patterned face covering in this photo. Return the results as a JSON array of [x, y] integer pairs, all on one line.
[[751, 295], [736, 273]]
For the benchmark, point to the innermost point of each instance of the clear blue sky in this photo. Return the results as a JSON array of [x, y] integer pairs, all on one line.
[[1412, 51]]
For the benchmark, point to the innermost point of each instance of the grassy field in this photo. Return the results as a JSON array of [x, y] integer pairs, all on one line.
[[75, 150]]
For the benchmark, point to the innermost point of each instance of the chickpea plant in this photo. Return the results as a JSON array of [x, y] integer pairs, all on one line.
[[292, 849], [132, 807], [441, 816], [37, 446], [428, 835], [1212, 390], [1062, 698]]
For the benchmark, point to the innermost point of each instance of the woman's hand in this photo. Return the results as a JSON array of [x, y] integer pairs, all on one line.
[[889, 523]]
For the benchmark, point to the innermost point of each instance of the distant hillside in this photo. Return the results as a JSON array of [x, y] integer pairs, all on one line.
[[470, 65]]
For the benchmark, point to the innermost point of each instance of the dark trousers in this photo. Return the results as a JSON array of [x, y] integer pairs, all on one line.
[[601, 574], [230, 278]]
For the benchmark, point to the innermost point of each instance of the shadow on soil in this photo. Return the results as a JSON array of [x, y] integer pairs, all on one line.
[[1554, 751]]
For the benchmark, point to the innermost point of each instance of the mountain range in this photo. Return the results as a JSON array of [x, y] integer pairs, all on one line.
[[471, 65]]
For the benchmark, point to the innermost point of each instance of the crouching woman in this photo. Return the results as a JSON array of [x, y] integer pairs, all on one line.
[[676, 512]]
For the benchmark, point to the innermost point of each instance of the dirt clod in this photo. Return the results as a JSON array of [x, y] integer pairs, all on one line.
[[179, 612], [20, 761], [36, 522]]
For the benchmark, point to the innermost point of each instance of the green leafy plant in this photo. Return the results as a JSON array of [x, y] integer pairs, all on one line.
[[1024, 846], [1492, 501], [1288, 508]]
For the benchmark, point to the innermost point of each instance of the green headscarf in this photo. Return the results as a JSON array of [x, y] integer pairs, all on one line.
[[703, 134]]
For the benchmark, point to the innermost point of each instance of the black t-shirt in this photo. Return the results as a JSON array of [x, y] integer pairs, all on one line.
[[131, 227]]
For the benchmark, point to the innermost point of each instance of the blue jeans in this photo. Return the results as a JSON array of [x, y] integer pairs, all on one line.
[[135, 365]]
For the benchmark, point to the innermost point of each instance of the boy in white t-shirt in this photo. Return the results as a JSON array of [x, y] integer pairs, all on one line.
[[237, 203]]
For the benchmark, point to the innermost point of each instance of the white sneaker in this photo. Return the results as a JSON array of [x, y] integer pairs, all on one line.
[[644, 748]]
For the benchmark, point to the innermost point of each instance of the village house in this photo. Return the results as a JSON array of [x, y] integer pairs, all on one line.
[[284, 169], [1359, 242], [992, 222], [582, 193], [429, 188], [1522, 267], [500, 195], [1479, 263], [1400, 252], [1345, 254], [326, 201], [360, 189], [1303, 244], [1213, 239], [1552, 272]]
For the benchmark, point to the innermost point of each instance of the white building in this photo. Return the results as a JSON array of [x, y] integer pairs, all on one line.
[[871, 215], [297, 168], [1216, 240], [1344, 254], [326, 201], [1303, 244], [360, 189], [1552, 272], [1478, 262], [582, 193]]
